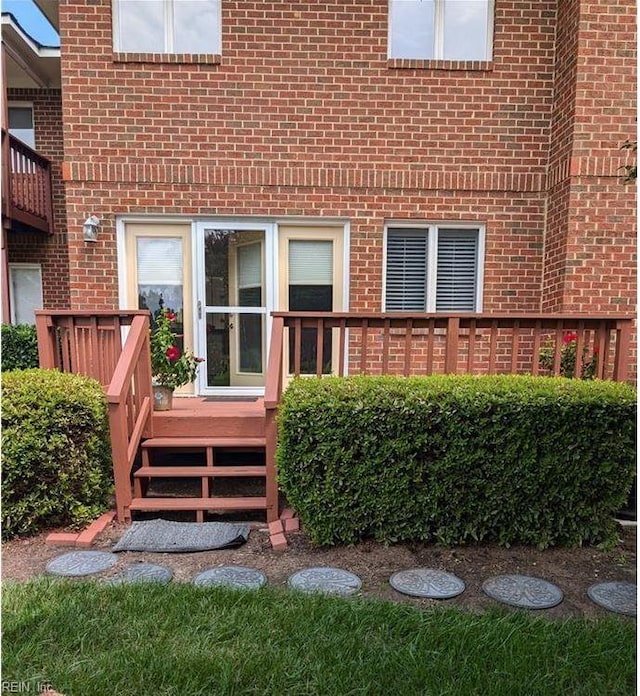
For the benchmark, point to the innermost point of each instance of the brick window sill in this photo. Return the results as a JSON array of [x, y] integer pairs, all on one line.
[[419, 64], [172, 58]]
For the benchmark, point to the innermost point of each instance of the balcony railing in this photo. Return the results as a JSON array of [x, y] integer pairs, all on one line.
[[26, 194], [312, 343]]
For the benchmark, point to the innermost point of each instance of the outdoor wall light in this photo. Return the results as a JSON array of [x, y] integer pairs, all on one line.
[[90, 229]]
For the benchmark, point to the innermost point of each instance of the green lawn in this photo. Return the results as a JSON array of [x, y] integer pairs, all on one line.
[[92, 640]]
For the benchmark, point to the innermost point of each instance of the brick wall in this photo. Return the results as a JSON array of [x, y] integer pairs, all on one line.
[[590, 257], [50, 251], [302, 114]]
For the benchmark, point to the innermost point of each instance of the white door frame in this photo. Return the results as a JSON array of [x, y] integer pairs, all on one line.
[[272, 269]]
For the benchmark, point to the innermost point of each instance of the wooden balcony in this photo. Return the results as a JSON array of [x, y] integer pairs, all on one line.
[[26, 190], [319, 344]]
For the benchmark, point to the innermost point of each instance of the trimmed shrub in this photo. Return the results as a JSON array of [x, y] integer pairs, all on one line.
[[19, 347], [56, 464], [455, 459]]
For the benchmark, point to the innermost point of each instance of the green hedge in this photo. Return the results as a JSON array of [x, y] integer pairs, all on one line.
[[19, 347], [56, 463], [455, 459]]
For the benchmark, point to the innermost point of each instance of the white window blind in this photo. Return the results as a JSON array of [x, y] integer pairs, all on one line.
[[159, 261], [26, 292], [457, 270], [310, 262], [249, 266], [406, 270]]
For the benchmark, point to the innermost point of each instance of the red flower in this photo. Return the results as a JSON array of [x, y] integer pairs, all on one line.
[[171, 316], [568, 338], [172, 353]]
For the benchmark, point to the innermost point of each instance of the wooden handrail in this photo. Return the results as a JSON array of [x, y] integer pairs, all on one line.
[[89, 343], [451, 343], [274, 368], [119, 385]]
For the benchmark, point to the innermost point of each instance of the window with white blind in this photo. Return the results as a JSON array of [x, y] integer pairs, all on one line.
[[26, 291], [167, 26], [160, 278], [441, 29], [433, 269]]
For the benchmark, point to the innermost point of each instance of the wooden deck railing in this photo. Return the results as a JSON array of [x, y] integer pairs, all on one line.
[[90, 343], [27, 198], [423, 344]]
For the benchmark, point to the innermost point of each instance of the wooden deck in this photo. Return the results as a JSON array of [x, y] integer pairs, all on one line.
[[215, 441]]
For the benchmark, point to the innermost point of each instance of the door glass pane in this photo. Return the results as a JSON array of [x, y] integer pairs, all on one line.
[[250, 342], [234, 263], [218, 363], [234, 277], [159, 261], [310, 290], [242, 334]]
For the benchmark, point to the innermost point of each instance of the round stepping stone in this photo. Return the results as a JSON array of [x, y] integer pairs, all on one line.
[[621, 597], [333, 581], [78, 563], [427, 582], [523, 591], [238, 577], [142, 572]]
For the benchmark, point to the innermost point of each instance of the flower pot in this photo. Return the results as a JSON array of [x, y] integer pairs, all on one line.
[[162, 398]]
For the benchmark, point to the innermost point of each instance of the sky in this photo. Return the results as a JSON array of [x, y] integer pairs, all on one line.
[[32, 21]]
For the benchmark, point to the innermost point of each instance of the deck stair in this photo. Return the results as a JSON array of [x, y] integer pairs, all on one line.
[[223, 459]]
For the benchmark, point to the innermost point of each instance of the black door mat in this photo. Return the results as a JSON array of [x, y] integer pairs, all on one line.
[[246, 399], [162, 536]]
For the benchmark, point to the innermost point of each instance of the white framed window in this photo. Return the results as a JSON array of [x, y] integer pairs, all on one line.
[[433, 268], [167, 26], [441, 29], [21, 123], [25, 280]]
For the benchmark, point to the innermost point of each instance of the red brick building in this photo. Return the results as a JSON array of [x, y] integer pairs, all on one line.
[[360, 155]]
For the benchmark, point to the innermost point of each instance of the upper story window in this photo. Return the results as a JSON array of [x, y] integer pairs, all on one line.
[[441, 29], [21, 123], [434, 269], [167, 26]]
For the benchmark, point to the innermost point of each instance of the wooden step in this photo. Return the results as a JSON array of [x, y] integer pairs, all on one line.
[[149, 504], [196, 417], [201, 442], [200, 471]]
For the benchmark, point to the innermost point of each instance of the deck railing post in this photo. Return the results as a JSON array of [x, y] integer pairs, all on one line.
[[623, 341], [119, 456], [451, 356], [46, 341], [271, 440]]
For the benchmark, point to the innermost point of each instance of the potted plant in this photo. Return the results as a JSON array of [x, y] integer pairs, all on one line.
[[170, 368]]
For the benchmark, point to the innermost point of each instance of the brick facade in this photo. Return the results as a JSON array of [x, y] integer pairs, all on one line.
[[51, 251], [303, 115]]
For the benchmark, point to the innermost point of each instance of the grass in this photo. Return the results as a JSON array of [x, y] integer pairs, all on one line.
[[92, 640]]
